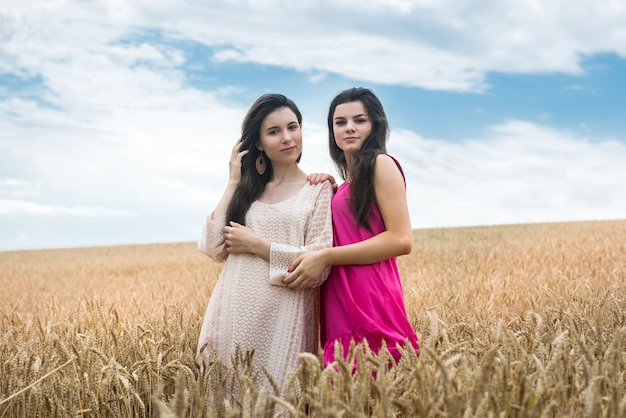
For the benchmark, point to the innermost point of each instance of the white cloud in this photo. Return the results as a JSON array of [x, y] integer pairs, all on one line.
[[437, 45], [12, 207], [521, 173], [11, 182]]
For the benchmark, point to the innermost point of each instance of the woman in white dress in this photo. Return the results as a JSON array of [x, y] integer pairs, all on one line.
[[269, 214]]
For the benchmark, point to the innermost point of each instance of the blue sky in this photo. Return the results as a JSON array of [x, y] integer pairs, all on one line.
[[117, 117]]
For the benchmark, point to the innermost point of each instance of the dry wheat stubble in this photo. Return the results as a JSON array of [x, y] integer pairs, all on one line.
[[516, 319]]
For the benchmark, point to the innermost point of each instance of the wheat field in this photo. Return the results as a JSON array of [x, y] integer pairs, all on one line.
[[514, 321]]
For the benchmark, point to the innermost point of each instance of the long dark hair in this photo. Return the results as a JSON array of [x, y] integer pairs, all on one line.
[[361, 170], [252, 183]]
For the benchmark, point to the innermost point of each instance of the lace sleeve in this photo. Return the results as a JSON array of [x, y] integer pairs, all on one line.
[[318, 234], [211, 240]]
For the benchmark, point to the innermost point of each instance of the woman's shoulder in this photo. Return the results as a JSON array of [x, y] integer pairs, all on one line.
[[387, 157], [321, 193], [388, 163], [320, 188]]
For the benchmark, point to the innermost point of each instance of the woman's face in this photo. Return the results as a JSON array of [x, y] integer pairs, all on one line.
[[281, 136], [351, 126]]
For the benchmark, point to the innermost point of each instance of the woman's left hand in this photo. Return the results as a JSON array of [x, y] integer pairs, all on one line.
[[240, 239], [316, 178]]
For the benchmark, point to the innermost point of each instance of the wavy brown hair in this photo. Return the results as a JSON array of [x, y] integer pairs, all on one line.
[[361, 170]]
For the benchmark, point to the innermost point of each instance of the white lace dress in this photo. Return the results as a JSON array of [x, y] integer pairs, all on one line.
[[244, 307]]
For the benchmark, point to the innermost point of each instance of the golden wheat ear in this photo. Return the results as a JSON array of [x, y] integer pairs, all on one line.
[[514, 320]]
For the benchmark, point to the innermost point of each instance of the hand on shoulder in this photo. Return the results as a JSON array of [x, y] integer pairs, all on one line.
[[316, 178]]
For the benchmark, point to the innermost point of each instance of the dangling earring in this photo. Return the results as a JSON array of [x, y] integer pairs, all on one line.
[[260, 164]]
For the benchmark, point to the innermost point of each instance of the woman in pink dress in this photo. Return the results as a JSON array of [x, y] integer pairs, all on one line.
[[362, 298]]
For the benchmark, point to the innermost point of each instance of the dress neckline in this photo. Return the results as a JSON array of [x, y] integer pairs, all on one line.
[[284, 200]]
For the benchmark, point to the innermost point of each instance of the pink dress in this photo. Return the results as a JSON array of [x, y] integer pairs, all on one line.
[[362, 302]]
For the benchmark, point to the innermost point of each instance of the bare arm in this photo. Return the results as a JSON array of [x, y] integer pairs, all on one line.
[[396, 240]]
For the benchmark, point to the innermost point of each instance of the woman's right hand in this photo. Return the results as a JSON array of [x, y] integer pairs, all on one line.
[[234, 178], [235, 162]]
